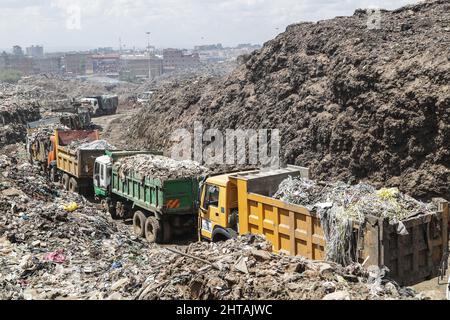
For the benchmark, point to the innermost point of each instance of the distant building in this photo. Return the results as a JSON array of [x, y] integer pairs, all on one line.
[[175, 59], [16, 62], [209, 47], [138, 65], [106, 63], [17, 51], [35, 51], [3, 60], [78, 63], [50, 65]]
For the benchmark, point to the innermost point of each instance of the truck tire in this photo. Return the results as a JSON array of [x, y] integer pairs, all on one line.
[[73, 185], [139, 220], [65, 181], [112, 209], [52, 175], [153, 230]]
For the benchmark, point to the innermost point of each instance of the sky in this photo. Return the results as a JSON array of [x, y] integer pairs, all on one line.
[[85, 24]]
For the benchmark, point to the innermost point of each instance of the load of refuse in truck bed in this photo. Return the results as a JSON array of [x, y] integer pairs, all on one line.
[[155, 166], [339, 205], [91, 145]]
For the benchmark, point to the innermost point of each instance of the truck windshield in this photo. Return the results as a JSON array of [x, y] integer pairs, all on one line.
[[211, 196]]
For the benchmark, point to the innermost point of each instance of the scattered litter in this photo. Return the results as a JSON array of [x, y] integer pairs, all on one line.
[[57, 256], [71, 207]]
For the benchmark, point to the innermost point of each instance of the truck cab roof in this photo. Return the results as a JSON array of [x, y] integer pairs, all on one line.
[[104, 160]]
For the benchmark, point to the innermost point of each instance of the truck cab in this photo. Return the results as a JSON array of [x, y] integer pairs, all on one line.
[[230, 203], [91, 104], [102, 175], [218, 216]]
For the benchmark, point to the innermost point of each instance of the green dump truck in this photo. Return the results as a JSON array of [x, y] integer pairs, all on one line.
[[161, 208]]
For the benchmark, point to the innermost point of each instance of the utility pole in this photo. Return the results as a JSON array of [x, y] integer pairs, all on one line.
[[149, 58]]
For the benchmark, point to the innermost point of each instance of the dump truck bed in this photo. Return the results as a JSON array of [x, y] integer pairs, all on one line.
[[76, 162], [292, 229], [164, 196]]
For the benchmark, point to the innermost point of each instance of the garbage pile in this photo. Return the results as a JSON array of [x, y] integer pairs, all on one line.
[[345, 94], [44, 132], [210, 70], [246, 269], [341, 205], [155, 166], [57, 245], [13, 119], [91, 145]]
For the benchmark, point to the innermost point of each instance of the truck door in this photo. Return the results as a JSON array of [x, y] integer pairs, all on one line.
[[102, 175], [213, 213], [97, 174]]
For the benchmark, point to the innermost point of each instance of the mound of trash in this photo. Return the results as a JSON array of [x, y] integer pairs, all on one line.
[[352, 101], [13, 120], [245, 268], [56, 245], [155, 166]]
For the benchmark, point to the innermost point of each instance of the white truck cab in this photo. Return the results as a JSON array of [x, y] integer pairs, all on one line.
[[102, 173]]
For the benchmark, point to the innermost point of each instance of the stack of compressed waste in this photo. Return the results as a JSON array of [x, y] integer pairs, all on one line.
[[91, 145], [155, 166], [341, 205]]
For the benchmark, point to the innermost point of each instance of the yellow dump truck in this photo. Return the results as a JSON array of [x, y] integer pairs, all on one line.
[[240, 203], [76, 165]]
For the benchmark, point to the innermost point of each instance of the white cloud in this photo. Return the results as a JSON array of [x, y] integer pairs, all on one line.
[[172, 22]]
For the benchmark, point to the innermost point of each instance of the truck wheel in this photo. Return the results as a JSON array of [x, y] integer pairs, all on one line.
[[65, 181], [112, 209], [153, 230], [73, 185], [52, 174], [139, 220]]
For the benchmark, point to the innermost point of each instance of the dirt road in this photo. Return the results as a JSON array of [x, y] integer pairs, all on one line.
[[112, 127]]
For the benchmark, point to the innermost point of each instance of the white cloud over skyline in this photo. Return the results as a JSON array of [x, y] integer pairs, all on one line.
[[173, 23]]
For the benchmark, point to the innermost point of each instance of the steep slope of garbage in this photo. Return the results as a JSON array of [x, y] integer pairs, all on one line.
[[13, 120], [352, 103], [57, 245]]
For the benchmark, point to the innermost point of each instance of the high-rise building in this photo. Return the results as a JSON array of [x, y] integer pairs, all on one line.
[[35, 51], [175, 59], [17, 51]]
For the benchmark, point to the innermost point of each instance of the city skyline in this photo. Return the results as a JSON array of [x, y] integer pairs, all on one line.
[[62, 25]]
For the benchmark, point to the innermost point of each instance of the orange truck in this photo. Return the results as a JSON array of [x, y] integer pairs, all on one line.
[[72, 166], [240, 203]]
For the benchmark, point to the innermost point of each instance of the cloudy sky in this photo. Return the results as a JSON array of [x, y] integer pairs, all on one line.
[[81, 24]]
